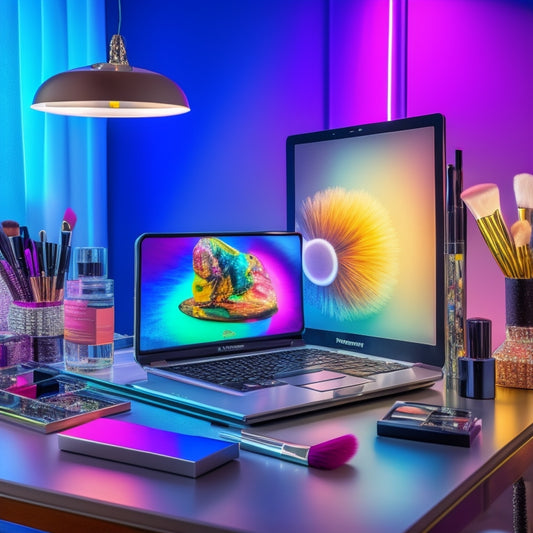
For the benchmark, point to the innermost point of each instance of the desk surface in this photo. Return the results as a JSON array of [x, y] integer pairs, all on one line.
[[390, 484]]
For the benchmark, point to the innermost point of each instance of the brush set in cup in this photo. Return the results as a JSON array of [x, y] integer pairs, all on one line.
[[35, 271], [511, 248]]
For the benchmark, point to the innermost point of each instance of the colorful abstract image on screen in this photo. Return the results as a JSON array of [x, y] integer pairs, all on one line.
[[168, 281], [229, 285]]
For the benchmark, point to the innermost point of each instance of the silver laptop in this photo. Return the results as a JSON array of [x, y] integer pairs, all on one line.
[[348, 307]]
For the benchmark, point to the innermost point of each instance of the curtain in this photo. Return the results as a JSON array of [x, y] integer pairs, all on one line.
[[49, 162]]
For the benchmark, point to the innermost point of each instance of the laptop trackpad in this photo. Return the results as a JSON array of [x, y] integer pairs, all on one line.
[[323, 380]]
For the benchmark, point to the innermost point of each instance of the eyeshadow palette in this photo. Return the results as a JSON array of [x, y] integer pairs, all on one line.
[[41, 398], [430, 423]]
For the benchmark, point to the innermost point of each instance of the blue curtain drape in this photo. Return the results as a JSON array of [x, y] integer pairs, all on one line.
[[49, 162]]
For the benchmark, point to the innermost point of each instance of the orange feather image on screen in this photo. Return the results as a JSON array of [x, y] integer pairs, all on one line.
[[350, 252]]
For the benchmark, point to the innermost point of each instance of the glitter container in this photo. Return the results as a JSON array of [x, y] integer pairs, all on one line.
[[43, 323], [514, 358], [5, 302], [14, 349]]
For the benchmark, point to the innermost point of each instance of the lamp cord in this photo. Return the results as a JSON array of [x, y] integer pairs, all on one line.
[[119, 17]]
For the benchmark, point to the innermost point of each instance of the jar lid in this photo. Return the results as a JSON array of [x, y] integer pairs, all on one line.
[[479, 338], [90, 262]]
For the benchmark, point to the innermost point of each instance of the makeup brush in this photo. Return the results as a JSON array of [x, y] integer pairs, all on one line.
[[521, 232], [523, 192], [67, 226], [69, 220], [326, 455], [483, 201], [12, 230], [11, 266]]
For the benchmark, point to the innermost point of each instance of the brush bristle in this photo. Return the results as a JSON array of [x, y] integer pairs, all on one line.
[[70, 218], [521, 232], [482, 200], [11, 228], [332, 453], [523, 190]]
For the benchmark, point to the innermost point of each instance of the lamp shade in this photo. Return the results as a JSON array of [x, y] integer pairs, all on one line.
[[113, 89], [113, 92]]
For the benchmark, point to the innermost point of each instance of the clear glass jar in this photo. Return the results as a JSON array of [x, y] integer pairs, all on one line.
[[89, 313]]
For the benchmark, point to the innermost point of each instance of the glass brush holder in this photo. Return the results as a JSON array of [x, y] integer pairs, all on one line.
[[514, 358]]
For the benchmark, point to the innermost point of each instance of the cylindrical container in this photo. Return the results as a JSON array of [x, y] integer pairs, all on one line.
[[5, 303], [89, 313], [477, 369], [43, 322], [14, 349], [514, 358]]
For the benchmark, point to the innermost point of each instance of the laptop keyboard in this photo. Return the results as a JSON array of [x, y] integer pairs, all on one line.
[[264, 370]]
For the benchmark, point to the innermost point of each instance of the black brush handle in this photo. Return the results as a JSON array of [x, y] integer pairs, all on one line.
[[64, 259]]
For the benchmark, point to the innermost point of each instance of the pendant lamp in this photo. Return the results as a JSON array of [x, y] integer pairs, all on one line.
[[113, 89]]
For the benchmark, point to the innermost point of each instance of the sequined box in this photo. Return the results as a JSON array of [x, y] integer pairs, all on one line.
[[44, 323], [14, 348], [514, 358]]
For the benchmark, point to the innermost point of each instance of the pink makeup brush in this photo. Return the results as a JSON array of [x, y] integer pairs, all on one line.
[[326, 455], [69, 221]]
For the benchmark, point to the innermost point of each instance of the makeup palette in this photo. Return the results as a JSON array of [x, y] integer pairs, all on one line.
[[430, 423], [41, 398]]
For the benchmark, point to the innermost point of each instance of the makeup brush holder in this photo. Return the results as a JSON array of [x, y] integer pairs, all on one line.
[[5, 302], [514, 358], [14, 349], [43, 322]]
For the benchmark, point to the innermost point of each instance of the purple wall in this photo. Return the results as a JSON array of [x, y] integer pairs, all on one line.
[[468, 59], [472, 60]]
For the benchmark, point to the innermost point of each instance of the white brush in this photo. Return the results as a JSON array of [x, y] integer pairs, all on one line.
[[483, 201], [523, 192]]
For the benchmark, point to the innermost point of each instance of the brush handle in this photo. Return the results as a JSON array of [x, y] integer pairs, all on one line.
[[494, 232], [295, 453], [64, 259]]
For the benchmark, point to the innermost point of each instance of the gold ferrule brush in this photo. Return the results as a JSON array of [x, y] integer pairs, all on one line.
[[495, 233], [525, 213], [526, 261]]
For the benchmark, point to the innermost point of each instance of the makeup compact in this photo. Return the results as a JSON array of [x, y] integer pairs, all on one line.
[[430, 423], [136, 444], [477, 371]]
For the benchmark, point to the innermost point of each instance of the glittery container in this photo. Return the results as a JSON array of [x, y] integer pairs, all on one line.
[[5, 302], [44, 323], [14, 349], [514, 358]]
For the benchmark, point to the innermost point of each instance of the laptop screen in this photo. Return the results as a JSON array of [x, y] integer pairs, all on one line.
[[197, 294], [368, 201]]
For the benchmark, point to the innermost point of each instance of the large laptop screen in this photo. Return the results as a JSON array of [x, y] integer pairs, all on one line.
[[221, 290], [368, 201]]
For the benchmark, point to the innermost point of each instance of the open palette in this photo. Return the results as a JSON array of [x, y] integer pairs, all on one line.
[[42, 398]]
